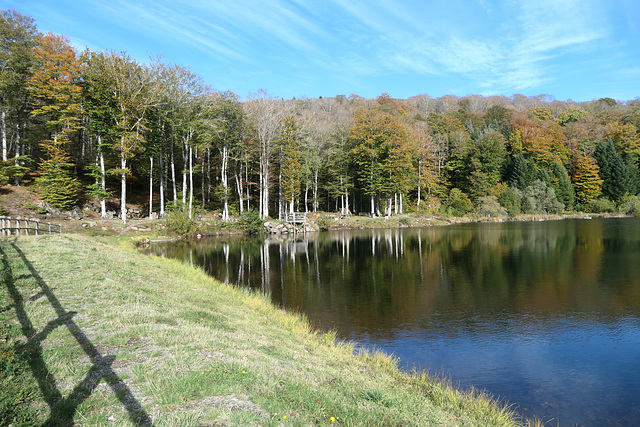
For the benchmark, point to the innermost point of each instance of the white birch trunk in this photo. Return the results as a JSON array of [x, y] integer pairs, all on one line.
[[185, 172], [162, 183], [16, 179], [225, 186], [123, 189], [190, 182], [3, 130], [173, 178], [103, 178], [150, 186]]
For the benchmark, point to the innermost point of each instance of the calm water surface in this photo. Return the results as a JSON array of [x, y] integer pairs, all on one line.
[[544, 315]]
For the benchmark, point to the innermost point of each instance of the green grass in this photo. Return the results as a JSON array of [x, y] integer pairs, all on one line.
[[103, 335]]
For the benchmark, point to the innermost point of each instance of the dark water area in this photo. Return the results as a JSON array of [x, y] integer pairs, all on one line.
[[543, 315]]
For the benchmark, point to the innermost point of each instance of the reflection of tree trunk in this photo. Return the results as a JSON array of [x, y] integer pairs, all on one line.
[[264, 267], [317, 262], [225, 251], [241, 268], [420, 254]]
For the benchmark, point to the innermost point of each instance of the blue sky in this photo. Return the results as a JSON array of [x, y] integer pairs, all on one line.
[[569, 49]]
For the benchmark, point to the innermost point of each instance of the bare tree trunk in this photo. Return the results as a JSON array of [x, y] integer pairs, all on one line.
[[123, 189], [150, 186], [16, 179], [281, 202], [190, 182], [3, 130], [239, 191], [186, 159], [419, 180], [208, 175], [225, 187], [315, 190], [162, 183], [103, 177], [246, 171], [173, 178]]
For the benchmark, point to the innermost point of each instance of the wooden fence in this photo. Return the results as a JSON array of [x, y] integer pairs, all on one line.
[[18, 226]]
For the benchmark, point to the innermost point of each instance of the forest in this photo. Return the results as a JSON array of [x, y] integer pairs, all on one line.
[[97, 127]]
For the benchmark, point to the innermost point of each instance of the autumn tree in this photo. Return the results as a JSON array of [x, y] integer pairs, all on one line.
[[542, 139], [425, 148], [55, 84], [374, 136], [585, 177]]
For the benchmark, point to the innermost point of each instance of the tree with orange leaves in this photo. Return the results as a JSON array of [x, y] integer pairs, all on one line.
[[586, 178], [55, 86], [542, 140]]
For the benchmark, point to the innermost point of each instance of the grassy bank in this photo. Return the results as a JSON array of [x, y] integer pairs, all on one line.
[[95, 334]]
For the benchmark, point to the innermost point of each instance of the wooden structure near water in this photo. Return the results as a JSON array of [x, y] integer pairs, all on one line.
[[297, 221], [24, 226]]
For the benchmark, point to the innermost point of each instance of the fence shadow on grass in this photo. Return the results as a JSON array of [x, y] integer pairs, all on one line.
[[63, 408]]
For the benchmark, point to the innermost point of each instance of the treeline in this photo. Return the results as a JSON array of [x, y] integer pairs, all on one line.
[[90, 125]]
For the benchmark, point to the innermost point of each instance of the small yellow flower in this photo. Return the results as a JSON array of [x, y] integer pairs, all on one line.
[[284, 418], [333, 420], [244, 372]]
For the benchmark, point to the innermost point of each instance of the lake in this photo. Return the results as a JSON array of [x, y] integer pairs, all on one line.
[[543, 315]]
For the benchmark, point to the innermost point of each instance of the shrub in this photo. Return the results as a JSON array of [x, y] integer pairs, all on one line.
[[489, 206], [601, 205], [178, 221], [250, 222], [630, 205], [324, 223], [540, 198], [510, 200], [404, 220], [458, 203]]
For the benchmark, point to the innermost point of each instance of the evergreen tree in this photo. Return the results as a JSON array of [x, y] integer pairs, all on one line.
[[562, 186], [615, 174], [522, 173]]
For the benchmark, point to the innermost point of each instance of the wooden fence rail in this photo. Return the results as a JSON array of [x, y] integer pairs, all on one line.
[[296, 217], [18, 226]]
